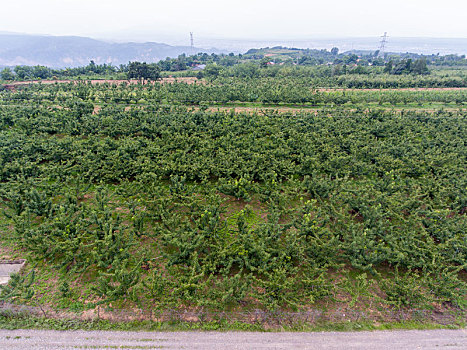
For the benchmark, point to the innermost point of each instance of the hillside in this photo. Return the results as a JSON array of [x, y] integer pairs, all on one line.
[[73, 51], [258, 199]]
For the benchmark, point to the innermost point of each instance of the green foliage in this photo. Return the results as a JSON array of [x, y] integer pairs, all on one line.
[[18, 288], [238, 188], [407, 66], [7, 74], [404, 290], [212, 71], [146, 205], [64, 289], [138, 70], [444, 283], [116, 282]]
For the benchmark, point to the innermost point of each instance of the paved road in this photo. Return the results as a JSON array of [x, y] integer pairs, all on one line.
[[381, 340]]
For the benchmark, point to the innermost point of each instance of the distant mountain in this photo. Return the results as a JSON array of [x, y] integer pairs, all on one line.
[[73, 51]]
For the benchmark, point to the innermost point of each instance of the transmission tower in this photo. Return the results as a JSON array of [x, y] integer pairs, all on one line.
[[192, 42], [384, 40]]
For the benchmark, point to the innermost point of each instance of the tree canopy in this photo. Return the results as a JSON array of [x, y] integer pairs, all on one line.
[[138, 70]]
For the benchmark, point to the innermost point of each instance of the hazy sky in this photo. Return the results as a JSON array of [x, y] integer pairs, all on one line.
[[242, 19]]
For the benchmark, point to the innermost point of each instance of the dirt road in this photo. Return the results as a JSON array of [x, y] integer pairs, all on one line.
[[381, 340]]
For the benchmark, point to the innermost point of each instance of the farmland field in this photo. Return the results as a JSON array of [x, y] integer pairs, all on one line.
[[236, 193]]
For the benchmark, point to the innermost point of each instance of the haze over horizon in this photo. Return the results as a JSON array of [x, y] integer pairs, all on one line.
[[424, 27], [144, 20]]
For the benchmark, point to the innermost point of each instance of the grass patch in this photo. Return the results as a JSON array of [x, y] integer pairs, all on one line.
[[25, 321]]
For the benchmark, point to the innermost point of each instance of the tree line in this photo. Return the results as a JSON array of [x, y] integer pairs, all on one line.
[[340, 63]]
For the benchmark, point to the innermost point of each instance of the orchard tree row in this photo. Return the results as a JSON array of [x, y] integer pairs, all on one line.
[[173, 208]]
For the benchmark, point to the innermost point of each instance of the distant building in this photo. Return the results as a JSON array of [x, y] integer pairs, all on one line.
[[198, 67]]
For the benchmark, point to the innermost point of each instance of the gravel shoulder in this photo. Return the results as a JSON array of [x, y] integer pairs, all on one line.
[[382, 340]]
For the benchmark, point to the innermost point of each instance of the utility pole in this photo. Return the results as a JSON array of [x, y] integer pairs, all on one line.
[[192, 42], [384, 40]]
